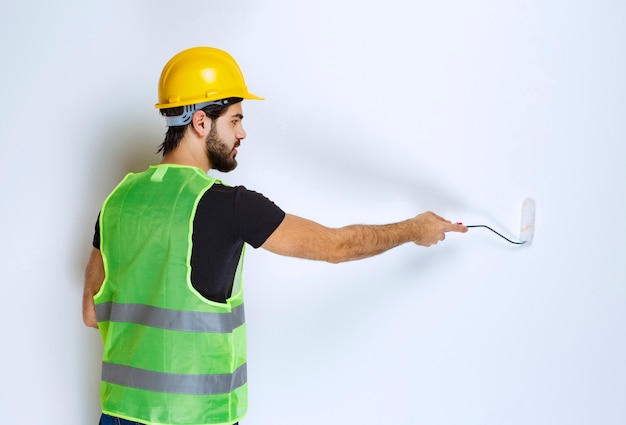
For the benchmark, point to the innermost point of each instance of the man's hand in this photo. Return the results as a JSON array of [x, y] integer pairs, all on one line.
[[429, 228]]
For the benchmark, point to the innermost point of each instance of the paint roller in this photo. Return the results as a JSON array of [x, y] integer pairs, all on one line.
[[527, 228]]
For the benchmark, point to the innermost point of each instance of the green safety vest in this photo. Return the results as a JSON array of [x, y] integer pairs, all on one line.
[[170, 356]]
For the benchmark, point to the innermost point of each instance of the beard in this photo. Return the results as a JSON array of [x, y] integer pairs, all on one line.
[[220, 155]]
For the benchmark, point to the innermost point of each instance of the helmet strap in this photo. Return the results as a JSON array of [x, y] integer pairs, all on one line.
[[188, 111]]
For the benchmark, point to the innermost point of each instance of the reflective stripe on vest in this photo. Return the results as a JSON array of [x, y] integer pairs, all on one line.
[[175, 320], [174, 383]]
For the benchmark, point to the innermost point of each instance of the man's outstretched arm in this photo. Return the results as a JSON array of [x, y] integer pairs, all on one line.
[[302, 238]]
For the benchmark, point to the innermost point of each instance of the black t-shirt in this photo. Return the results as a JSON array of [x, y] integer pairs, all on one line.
[[226, 217]]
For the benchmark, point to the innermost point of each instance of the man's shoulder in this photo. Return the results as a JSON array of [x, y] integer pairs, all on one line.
[[240, 195], [221, 188]]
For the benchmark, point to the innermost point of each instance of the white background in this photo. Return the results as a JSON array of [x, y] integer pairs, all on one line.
[[375, 111]]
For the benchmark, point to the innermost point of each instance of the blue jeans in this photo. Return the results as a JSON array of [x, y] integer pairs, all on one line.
[[112, 420]]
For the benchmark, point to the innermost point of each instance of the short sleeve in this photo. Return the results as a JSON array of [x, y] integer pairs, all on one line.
[[257, 216]]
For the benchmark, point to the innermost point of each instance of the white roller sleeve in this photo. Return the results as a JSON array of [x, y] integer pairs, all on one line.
[[527, 229]]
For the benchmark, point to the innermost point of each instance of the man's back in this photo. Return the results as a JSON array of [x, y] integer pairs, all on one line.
[[170, 356]]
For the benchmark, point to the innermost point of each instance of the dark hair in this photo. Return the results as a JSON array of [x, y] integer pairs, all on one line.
[[175, 133]]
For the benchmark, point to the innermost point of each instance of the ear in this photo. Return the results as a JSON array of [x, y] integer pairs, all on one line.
[[199, 123]]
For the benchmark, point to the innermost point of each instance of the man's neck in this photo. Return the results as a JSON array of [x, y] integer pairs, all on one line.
[[182, 156]]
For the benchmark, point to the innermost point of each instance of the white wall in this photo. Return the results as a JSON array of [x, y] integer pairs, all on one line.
[[375, 112]]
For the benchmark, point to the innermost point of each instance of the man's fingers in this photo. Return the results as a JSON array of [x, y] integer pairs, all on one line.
[[456, 227]]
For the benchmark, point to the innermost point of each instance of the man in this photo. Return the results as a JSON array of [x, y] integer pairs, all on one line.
[[163, 283]]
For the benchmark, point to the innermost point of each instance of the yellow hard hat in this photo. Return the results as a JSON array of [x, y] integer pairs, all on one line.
[[201, 75]]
